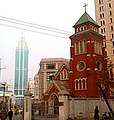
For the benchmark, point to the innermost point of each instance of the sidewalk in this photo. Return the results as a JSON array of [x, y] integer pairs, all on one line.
[[45, 118]]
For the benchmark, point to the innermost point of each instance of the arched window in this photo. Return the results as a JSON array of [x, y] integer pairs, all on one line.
[[81, 28], [61, 76], [64, 75], [85, 27], [98, 47], [81, 84], [84, 84], [78, 30], [81, 47]]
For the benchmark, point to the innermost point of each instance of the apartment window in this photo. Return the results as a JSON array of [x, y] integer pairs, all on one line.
[[112, 35], [110, 5], [50, 75], [81, 47], [100, 15], [103, 15], [103, 22], [113, 52], [113, 43], [111, 28], [110, 12], [103, 30], [101, 8], [50, 66], [100, 1], [111, 20], [81, 84]]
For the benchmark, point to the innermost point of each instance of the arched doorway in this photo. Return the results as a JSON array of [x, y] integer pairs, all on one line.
[[53, 106]]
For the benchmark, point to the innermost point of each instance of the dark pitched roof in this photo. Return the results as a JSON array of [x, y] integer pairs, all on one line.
[[85, 18], [60, 85]]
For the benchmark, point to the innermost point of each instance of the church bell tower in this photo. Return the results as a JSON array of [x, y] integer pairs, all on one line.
[[87, 58]]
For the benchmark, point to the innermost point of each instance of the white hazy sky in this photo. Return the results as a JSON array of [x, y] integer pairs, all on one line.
[[59, 14]]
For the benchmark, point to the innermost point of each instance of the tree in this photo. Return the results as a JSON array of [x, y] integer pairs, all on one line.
[[104, 83]]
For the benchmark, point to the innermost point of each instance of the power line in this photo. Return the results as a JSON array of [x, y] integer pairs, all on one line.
[[33, 25], [33, 31]]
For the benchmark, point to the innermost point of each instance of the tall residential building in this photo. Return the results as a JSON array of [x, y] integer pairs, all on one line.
[[21, 68], [104, 11]]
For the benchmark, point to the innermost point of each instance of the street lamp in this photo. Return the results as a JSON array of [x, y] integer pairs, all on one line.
[[4, 85]]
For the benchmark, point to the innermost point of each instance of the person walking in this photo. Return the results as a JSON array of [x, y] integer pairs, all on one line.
[[3, 114], [10, 114], [96, 113]]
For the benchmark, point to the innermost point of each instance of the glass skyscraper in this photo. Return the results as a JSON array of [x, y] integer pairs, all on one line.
[[21, 68]]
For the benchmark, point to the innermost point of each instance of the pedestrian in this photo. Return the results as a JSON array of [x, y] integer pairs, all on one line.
[[10, 114], [96, 113], [3, 114]]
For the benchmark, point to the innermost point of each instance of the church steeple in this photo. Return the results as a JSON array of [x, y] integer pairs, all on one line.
[[85, 24], [86, 57], [84, 19]]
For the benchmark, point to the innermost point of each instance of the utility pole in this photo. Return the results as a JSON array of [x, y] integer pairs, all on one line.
[[4, 90]]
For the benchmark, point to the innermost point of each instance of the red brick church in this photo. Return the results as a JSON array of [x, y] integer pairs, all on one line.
[[79, 79]]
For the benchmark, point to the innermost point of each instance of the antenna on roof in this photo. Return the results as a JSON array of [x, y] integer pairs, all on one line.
[[22, 36], [85, 5]]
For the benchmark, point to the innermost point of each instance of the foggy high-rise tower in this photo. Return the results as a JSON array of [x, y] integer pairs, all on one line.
[[21, 67]]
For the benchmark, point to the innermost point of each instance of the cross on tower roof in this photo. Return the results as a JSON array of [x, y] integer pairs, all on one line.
[[85, 5]]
